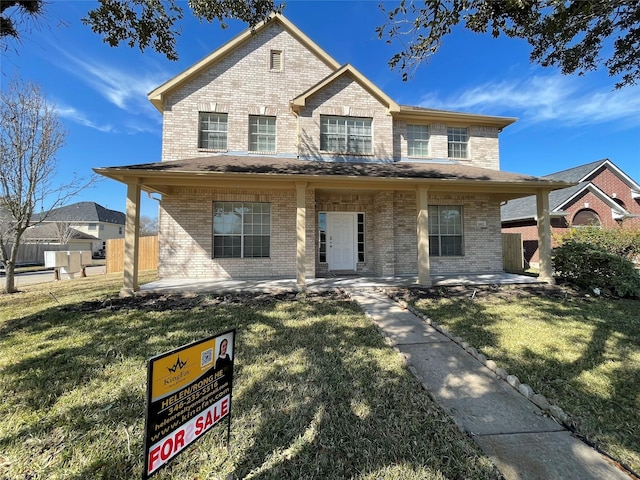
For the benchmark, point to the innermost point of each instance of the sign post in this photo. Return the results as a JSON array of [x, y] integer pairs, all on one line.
[[188, 392]]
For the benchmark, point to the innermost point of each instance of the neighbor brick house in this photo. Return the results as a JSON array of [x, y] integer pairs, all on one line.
[[603, 195], [277, 161]]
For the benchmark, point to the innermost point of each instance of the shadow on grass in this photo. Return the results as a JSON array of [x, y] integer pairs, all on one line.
[[317, 394], [594, 377]]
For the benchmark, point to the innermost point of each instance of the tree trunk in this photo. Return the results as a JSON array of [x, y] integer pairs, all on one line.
[[10, 281]]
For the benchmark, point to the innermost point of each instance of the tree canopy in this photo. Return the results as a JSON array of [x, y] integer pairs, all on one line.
[[154, 22], [574, 35]]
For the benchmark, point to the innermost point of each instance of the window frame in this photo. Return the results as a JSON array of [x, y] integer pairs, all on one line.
[[456, 147], [436, 237], [241, 243], [413, 141], [218, 134], [345, 136], [260, 136]]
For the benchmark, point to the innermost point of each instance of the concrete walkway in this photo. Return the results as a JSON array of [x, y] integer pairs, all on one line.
[[512, 431]]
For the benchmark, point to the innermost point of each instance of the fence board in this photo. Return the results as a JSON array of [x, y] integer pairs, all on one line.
[[147, 254], [512, 254]]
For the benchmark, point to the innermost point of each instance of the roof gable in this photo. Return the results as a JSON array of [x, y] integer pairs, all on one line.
[[300, 101], [156, 96]]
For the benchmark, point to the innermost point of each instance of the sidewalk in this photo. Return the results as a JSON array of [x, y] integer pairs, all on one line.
[[512, 431]]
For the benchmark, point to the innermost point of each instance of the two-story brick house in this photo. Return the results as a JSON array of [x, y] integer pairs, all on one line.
[[602, 195], [279, 162]]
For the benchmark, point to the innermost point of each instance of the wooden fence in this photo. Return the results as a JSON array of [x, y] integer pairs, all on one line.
[[512, 255], [147, 254]]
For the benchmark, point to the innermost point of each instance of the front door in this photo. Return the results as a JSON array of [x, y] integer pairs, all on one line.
[[341, 241]]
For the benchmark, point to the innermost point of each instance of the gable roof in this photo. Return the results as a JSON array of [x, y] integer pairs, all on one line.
[[525, 208], [349, 70], [157, 95], [83, 212], [582, 173]]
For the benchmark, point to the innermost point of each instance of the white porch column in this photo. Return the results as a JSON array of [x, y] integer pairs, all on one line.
[[301, 233], [544, 236], [131, 241], [424, 267]]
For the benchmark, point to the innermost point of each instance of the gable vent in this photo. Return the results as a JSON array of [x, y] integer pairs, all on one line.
[[275, 62]]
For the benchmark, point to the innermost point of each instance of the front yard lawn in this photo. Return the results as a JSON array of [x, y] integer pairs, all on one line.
[[581, 352], [317, 393]]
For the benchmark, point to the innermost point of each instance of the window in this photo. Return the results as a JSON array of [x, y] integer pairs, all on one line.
[[119, 230], [262, 134], [586, 218], [322, 237], [275, 60], [361, 237], [213, 131], [92, 226], [457, 138], [346, 135], [418, 140], [445, 230], [241, 230]]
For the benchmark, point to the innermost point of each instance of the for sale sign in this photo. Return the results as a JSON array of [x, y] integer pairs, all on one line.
[[188, 392]]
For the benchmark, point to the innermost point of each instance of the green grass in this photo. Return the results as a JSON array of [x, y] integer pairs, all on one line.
[[582, 353], [317, 393]]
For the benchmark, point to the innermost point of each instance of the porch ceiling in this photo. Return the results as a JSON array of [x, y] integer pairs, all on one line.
[[284, 173]]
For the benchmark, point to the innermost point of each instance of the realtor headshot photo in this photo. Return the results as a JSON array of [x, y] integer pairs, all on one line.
[[224, 359]]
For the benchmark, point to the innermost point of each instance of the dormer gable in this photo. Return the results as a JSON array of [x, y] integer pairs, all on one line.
[[346, 70]]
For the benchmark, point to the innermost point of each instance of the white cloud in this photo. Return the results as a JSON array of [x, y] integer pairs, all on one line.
[[127, 89], [568, 101], [74, 115]]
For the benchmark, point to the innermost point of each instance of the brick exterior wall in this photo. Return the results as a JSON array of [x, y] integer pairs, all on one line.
[[241, 84], [186, 234], [607, 181], [482, 147]]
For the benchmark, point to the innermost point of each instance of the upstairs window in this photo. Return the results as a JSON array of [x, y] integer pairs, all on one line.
[[262, 134], [346, 135], [213, 131], [458, 139], [445, 230], [418, 141]]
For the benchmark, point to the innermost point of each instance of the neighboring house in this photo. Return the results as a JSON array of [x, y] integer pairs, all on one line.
[[88, 218], [277, 161], [603, 196], [40, 238]]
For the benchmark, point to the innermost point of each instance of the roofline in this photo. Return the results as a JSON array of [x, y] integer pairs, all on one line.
[[598, 193], [627, 178], [408, 112], [156, 96], [558, 214], [300, 101], [147, 177]]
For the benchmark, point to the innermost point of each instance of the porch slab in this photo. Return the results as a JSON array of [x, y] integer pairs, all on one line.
[[216, 285]]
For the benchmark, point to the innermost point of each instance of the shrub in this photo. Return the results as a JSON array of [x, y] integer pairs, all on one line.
[[590, 266], [624, 242]]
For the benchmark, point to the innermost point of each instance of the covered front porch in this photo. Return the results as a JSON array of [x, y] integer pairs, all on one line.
[[398, 211]]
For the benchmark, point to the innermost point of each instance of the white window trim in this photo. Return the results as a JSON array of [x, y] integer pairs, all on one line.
[[346, 134]]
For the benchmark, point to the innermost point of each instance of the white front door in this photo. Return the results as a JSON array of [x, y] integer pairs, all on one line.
[[341, 241]]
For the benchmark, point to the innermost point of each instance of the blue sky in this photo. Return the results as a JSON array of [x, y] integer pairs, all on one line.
[[101, 92]]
